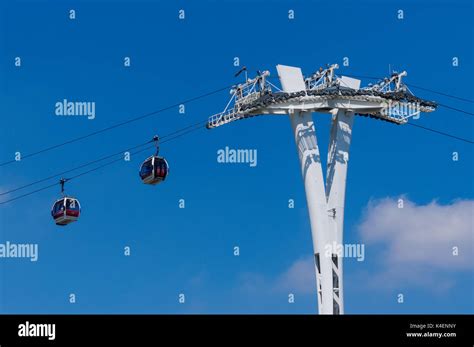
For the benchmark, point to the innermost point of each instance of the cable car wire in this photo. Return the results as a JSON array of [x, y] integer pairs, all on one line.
[[440, 93], [68, 179], [73, 169], [117, 125], [421, 88], [28, 194], [440, 132], [456, 109], [95, 161], [104, 165], [189, 130], [429, 90]]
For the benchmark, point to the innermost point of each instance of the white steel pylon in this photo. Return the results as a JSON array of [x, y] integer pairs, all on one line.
[[325, 201], [323, 92]]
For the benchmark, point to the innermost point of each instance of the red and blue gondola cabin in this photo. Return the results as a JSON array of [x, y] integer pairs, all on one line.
[[154, 170], [66, 210]]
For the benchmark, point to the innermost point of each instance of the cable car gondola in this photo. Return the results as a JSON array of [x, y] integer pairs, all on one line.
[[154, 169], [66, 209]]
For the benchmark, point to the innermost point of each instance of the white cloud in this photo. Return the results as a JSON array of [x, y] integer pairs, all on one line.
[[415, 243], [299, 277], [421, 234]]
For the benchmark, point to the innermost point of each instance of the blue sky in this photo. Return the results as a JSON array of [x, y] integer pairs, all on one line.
[[190, 250]]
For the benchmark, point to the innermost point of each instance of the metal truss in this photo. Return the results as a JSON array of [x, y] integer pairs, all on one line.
[[390, 100]]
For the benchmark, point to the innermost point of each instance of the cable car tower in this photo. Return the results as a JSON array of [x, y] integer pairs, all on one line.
[[342, 98]]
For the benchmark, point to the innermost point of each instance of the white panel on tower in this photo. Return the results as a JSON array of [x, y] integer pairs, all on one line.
[[349, 82], [291, 78]]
